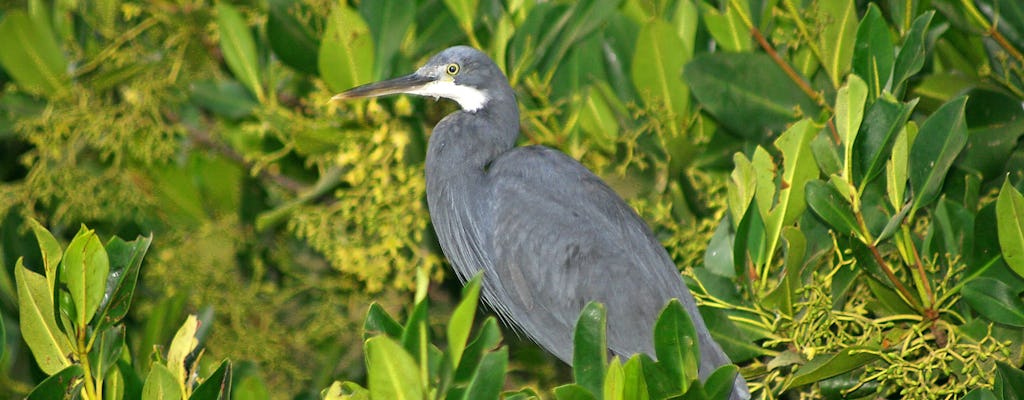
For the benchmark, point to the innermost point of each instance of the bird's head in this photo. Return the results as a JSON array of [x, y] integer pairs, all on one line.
[[459, 73]]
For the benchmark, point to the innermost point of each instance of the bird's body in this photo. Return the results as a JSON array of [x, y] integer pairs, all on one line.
[[549, 235]]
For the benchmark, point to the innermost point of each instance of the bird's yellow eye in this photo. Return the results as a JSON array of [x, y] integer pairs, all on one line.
[[452, 69]]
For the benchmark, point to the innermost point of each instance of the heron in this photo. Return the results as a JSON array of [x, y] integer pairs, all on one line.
[[548, 234]]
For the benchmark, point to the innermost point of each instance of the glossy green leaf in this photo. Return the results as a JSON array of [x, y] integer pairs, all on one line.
[[392, 372], [882, 122], [125, 263], [239, 48], [106, 349], [160, 384], [416, 334], [217, 386], [346, 50], [1010, 224], [489, 377], [727, 27], [486, 339], [995, 300], [462, 319], [829, 365], [657, 63], [1009, 381], [912, 54], [836, 42], [797, 169], [597, 119], [57, 385], [614, 381], [938, 144], [634, 384], [675, 344], [719, 384], [590, 349], [747, 93], [873, 56], [379, 322], [38, 327], [50, 250], [849, 114], [981, 394], [750, 241], [831, 207], [84, 270], [30, 53], [573, 392], [718, 257], [388, 21], [291, 31], [182, 345]]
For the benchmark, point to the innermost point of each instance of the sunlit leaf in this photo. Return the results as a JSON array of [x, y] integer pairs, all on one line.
[[1010, 224], [657, 64], [462, 319], [836, 42], [346, 50], [160, 384], [392, 372], [38, 328], [239, 48], [84, 270]]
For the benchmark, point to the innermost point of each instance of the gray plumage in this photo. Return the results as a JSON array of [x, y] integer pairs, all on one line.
[[549, 235]]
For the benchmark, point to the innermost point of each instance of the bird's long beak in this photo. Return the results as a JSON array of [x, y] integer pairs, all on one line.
[[404, 84]]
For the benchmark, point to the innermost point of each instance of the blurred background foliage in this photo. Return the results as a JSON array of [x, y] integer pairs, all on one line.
[[280, 215]]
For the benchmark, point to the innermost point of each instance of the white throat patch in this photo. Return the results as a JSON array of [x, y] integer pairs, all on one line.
[[470, 99]]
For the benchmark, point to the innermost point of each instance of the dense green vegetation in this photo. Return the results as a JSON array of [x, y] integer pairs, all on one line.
[[840, 182]]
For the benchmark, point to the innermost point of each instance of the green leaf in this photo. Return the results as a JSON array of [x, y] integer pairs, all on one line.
[[84, 270], [573, 392], [836, 42], [656, 77], [726, 28], [912, 54], [750, 241], [106, 350], [345, 391], [634, 385], [938, 144], [57, 385], [217, 386], [896, 168], [829, 365], [489, 377], [590, 349], [125, 263], [883, 121], [995, 124], [226, 98], [30, 53], [849, 114], [346, 50], [718, 257], [239, 48], [614, 380], [51, 251], [388, 21], [488, 338], [747, 93], [995, 300], [379, 322], [38, 327], [831, 207], [182, 345], [1009, 381], [392, 373], [719, 384], [873, 51], [980, 394], [462, 319], [464, 12], [798, 168], [160, 384], [675, 344], [1010, 224], [742, 187], [292, 40]]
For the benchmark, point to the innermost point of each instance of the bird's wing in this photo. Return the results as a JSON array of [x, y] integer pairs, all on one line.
[[563, 238]]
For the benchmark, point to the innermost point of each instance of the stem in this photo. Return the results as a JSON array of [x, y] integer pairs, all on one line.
[[83, 358], [892, 277], [928, 295], [793, 75]]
